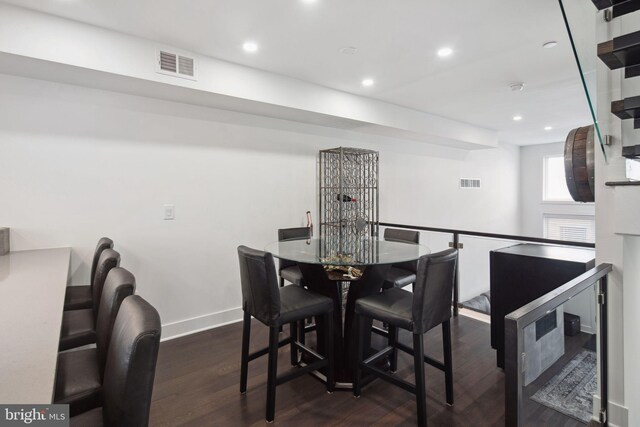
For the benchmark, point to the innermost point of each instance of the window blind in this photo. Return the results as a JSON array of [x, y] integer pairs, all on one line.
[[572, 228]]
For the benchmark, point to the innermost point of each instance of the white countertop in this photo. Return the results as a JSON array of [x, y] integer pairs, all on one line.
[[32, 289]]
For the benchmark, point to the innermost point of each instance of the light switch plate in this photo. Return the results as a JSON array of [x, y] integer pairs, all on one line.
[[169, 212]]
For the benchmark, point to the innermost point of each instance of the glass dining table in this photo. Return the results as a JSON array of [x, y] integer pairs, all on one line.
[[324, 263]]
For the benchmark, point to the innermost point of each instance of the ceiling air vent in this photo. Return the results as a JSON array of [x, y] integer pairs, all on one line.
[[176, 65], [469, 183]]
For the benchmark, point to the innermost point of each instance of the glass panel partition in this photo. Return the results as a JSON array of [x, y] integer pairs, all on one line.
[[555, 355], [603, 42], [579, 18]]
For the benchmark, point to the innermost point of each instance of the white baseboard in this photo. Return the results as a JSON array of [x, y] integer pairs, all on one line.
[[201, 323], [618, 415], [485, 318], [587, 329]]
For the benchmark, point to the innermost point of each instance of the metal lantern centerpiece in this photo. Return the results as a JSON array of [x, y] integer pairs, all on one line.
[[349, 201]]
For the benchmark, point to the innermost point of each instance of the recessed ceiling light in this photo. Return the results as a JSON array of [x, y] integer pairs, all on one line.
[[367, 82], [349, 50], [444, 52], [517, 118], [250, 47], [516, 87], [550, 44], [548, 128]]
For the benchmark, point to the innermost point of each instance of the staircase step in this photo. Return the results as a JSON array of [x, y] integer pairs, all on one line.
[[631, 71], [631, 152], [622, 51], [625, 8], [620, 7], [604, 4], [628, 108]]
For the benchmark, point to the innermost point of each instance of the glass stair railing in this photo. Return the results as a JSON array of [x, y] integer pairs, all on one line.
[[618, 28]]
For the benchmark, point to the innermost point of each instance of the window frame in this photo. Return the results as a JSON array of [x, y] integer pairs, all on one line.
[[545, 168]]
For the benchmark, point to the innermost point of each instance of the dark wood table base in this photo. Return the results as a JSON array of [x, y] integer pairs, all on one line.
[[316, 279]]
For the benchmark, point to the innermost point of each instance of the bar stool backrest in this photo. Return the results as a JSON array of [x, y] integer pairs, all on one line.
[[433, 290], [407, 236], [260, 290], [120, 284], [296, 233], [108, 259], [131, 364], [103, 243]]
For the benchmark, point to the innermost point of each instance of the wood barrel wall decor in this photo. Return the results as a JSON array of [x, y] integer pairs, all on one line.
[[579, 164]]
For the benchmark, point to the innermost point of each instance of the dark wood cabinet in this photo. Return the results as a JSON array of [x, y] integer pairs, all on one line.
[[523, 273]]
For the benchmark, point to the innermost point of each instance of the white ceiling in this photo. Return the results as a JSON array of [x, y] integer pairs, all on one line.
[[496, 43]]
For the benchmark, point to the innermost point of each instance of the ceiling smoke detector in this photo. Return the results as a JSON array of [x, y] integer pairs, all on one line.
[[550, 44], [516, 87]]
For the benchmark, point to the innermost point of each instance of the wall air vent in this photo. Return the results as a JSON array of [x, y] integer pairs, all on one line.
[[185, 66], [472, 183], [176, 65], [168, 62]]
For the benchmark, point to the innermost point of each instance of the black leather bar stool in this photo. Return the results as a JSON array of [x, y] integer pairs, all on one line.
[[427, 307], [79, 374], [289, 270], [274, 306], [404, 273], [130, 368], [79, 297], [79, 326]]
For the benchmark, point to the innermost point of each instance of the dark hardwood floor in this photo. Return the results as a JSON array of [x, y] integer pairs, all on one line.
[[197, 384]]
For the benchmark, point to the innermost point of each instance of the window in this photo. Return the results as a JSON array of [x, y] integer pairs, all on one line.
[[576, 228], [555, 184]]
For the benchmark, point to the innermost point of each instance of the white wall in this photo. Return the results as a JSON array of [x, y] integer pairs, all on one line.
[[431, 196], [532, 207], [79, 163]]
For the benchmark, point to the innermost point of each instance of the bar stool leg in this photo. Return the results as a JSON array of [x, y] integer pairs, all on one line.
[[331, 382], [358, 356], [293, 332], [393, 357], [448, 364], [281, 285], [418, 364], [244, 357], [272, 372], [301, 332]]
